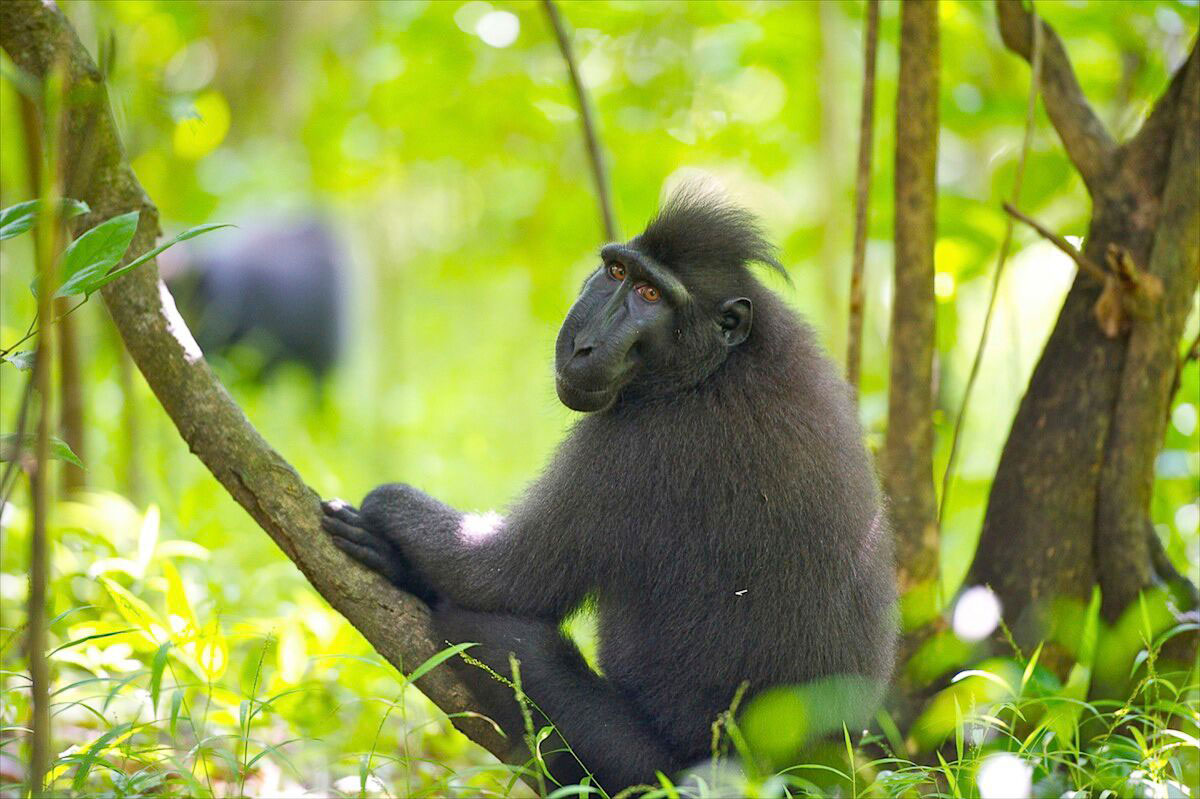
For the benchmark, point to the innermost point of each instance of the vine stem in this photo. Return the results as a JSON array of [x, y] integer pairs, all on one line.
[[862, 197], [34, 331], [1035, 69], [587, 120]]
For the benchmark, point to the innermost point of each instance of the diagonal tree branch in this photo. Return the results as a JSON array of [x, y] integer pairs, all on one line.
[[1086, 140], [1159, 126], [36, 34]]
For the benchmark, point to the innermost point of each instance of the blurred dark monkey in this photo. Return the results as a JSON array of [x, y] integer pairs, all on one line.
[[274, 287]]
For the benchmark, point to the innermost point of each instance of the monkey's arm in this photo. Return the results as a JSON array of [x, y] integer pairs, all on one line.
[[480, 562]]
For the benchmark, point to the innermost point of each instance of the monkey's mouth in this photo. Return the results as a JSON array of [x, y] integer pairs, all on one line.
[[583, 399]]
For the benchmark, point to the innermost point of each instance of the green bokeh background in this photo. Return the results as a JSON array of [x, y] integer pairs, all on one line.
[[455, 174]]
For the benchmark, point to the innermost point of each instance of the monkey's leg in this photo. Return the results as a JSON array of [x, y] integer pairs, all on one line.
[[606, 734]]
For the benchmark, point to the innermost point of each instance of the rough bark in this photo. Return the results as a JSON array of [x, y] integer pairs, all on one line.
[[1069, 506], [1127, 478], [908, 448], [35, 33]]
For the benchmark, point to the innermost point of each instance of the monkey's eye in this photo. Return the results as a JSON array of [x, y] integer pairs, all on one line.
[[616, 271], [649, 293]]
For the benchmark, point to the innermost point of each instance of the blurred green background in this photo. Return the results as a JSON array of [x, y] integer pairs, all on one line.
[[442, 141]]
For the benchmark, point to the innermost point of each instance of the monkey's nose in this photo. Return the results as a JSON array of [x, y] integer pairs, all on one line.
[[582, 350]]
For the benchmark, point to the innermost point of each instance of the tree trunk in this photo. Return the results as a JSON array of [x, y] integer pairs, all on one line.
[[35, 34], [908, 448], [1069, 507]]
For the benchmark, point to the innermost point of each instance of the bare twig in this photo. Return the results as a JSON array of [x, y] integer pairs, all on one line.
[[33, 331], [1127, 291], [1192, 353], [1084, 137], [1035, 61], [862, 196], [595, 154], [1084, 263], [8, 480], [1147, 150]]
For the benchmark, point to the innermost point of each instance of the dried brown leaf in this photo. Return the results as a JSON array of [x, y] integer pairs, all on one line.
[[1109, 310]]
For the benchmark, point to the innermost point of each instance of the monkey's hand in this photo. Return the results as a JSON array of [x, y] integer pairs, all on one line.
[[371, 548]]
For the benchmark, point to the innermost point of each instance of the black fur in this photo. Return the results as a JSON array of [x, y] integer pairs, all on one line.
[[726, 520], [272, 287], [697, 229]]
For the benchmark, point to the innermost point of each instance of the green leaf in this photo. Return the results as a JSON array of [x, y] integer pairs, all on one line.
[[137, 612], [86, 638], [16, 219], [94, 751], [573, 790], [156, 673], [176, 703], [190, 233], [59, 450], [436, 660], [22, 360], [90, 256], [1030, 666]]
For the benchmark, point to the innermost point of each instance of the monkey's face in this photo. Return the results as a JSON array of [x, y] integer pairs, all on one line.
[[635, 323]]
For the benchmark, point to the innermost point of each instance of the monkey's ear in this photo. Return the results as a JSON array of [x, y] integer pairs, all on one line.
[[736, 317]]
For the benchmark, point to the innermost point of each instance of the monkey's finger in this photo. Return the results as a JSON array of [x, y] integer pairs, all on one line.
[[340, 509], [351, 532], [366, 555]]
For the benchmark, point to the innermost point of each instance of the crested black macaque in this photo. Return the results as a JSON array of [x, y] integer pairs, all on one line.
[[717, 503], [275, 287]]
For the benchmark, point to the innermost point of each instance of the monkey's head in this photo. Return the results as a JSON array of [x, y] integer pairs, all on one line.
[[663, 311]]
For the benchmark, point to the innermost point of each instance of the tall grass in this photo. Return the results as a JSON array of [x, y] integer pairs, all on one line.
[[163, 687]]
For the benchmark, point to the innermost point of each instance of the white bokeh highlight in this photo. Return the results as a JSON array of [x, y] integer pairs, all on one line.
[[498, 28], [1187, 518], [1005, 776], [1184, 418], [976, 614], [477, 527]]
